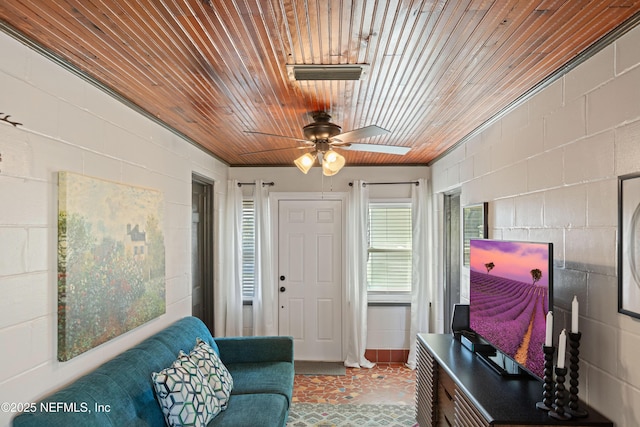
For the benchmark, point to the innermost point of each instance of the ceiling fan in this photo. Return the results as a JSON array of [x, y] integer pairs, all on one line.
[[322, 136]]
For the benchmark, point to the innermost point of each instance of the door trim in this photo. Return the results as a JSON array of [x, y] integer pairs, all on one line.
[[274, 199]]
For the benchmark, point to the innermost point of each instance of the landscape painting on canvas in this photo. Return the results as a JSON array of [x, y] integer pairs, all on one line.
[[111, 264]]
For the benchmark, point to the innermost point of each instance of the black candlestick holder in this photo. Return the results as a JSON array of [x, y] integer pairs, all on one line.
[[558, 411], [547, 387], [574, 407]]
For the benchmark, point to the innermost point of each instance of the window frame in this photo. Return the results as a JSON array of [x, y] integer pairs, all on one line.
[[247, 298], [393, 297]]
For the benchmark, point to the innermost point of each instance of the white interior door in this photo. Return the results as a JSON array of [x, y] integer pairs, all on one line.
[[310, 273]]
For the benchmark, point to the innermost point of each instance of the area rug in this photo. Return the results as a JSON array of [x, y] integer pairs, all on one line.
[[350, 415], [319, 368]]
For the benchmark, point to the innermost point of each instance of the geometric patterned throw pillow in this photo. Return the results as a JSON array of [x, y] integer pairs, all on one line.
[[214, 371], [184, 394]]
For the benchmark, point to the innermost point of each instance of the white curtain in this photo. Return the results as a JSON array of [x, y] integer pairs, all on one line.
[[264, 314], [229, 300], [424, 263], [358, 213]]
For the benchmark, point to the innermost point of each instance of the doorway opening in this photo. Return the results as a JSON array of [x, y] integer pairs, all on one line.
[[452, 254], [202, 238]]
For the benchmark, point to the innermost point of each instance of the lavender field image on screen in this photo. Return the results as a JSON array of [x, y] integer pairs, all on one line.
[[509, 298]]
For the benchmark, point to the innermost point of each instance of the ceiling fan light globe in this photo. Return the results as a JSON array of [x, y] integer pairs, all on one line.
[[332, 163], [305, 162]]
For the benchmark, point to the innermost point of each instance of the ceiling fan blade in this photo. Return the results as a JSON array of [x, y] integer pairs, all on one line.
[[356, 134], [375, 148], [278, 136], [275, 149]]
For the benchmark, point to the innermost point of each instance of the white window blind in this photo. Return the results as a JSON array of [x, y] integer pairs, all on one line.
[[248, 248], [389, 264]]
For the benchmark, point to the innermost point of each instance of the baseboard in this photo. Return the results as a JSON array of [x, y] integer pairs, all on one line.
[[387, 355]]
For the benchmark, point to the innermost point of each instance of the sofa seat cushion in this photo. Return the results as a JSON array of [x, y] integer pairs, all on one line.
[[264, 377], [264, 410]]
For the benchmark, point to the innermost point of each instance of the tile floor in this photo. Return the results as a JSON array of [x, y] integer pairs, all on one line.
[[385, 383]]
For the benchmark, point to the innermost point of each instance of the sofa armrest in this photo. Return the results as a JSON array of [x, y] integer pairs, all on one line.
[[255, 349]]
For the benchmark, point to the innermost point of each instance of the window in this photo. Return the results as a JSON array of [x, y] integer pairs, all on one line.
[[389, 264], [248, 248]]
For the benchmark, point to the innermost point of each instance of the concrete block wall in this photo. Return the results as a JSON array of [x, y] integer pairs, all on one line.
[[549, 170], [68, 124]]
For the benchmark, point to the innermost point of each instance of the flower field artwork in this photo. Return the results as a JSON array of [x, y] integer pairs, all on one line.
[[509, 298], [111, 261]]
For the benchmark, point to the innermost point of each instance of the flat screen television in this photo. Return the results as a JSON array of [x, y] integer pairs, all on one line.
[[511, 286]]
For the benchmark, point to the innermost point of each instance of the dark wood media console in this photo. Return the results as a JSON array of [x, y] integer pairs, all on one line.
[[455, 388]]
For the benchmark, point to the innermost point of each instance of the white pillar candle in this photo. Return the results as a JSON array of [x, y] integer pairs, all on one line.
[[562, 348], [574, 315], [548, 339]]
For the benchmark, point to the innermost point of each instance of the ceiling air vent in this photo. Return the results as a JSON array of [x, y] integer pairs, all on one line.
[[327, 72]]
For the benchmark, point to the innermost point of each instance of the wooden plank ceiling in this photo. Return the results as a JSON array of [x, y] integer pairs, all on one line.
[[214, 69]]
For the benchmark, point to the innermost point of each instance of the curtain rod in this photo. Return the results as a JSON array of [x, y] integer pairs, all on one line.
[[364, 184], [269, 184]]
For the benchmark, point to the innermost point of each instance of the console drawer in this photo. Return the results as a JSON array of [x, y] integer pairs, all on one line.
[[446, 394]]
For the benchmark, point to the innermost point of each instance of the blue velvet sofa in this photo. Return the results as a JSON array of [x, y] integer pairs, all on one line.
[[120, 392]]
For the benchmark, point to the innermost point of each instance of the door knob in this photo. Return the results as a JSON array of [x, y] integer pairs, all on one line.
[[282, 289], [282, 278]]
